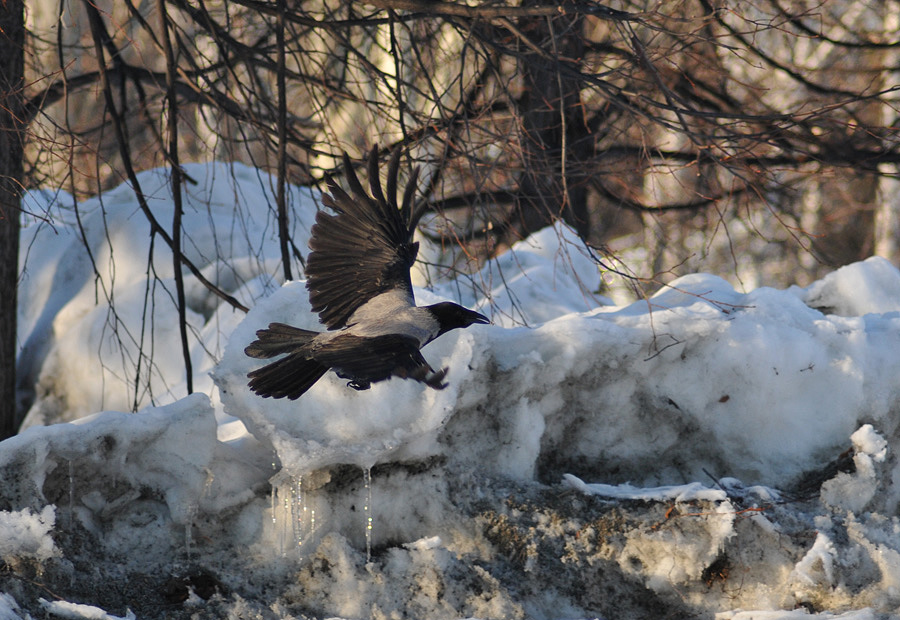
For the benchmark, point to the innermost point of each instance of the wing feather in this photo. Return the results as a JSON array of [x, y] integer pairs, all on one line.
[[365, 249]]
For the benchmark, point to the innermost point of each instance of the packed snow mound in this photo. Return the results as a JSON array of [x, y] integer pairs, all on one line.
[[698, 378], [868, 287], [94, 279], [26, 535], [705, 452]]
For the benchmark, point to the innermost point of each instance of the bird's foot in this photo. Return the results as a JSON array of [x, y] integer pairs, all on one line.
[[359, 385], [436, 379]]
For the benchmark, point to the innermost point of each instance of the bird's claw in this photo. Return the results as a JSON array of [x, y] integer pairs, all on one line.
[[436, 379]]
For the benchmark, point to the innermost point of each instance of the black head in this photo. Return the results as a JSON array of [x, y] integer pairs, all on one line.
[[451, 316]]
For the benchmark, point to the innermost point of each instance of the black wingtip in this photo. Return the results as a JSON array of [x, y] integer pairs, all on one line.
[[393, 170], [374, 179], [352, 180], [363, 250], [410, 217]]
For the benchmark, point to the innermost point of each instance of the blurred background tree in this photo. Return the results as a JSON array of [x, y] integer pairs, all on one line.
[[756, 140], [12, 94], [765, 131]]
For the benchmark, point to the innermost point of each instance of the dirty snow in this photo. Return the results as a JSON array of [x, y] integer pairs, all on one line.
[[707, 452]]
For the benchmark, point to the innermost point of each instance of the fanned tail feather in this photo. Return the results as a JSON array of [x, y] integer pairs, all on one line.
[[289, 377], [277, 339]]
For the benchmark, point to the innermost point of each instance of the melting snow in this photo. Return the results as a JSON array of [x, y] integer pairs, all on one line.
[[705, 452]]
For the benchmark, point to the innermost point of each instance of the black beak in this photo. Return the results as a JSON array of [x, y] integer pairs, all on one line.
[[474, 317]]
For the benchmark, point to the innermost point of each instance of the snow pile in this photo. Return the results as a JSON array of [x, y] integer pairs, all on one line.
[[91, 469], [698, 378], [63, 609], [91, 321], [26, 535], [705, 452]]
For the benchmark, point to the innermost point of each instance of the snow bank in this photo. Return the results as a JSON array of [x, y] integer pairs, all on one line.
[[697, 379], [96, 467], [94, 314], [74, 611], [26, 535], [705, 452]]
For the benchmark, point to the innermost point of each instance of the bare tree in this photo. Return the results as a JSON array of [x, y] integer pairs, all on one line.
[[762, 131], [12, 95], [550, 107]]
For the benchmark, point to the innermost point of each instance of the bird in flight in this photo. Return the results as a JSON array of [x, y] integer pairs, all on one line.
[[359, 284]]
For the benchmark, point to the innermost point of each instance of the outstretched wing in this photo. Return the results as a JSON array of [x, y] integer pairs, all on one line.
[[364, 250]]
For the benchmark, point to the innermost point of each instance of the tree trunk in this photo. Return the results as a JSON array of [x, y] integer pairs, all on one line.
[[554, 136], [12, 71], [887, 209]]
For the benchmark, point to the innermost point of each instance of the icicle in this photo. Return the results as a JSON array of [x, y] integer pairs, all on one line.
[[273, 496], [296, 516], [293, 518], [300, 507], [71, 490], [286, 522], [367, 511], [189, 530], [207, 486]]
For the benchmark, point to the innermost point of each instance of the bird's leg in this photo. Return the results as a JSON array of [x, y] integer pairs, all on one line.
[[424, 373], [436, 379]]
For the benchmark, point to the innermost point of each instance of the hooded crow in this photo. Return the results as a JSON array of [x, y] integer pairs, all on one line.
[[359, 284]]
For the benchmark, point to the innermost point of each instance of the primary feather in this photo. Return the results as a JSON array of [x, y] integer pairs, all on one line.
[[365, 250]]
